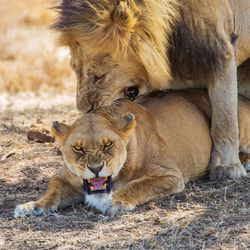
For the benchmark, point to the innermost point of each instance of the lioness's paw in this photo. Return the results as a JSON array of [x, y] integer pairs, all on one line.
[[222, 172], [122, 201], [32, 209]]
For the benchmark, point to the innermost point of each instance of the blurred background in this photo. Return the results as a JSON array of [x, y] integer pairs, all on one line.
[[32, 65]]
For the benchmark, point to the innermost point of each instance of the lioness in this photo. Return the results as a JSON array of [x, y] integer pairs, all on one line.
[[129, 47], [147, 149]]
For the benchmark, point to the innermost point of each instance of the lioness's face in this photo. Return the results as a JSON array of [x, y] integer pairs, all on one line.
[[101, 80], [93, 147]]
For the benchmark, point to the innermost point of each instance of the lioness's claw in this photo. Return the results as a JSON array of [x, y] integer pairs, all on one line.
[[222, 172], [32, 209]]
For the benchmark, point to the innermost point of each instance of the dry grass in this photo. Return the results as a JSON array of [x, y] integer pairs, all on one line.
[[206, 215], [30, 60]]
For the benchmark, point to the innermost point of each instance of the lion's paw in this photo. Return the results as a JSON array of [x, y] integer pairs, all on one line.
[[32, 209], [222, 172]]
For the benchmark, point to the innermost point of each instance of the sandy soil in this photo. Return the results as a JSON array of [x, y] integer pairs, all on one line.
[[207, 215]]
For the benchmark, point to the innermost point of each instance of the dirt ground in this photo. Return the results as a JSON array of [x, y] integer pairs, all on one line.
[[207, 215], [37, 84]]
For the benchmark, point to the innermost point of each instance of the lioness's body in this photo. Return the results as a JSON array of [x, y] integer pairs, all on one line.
[[167, 145]]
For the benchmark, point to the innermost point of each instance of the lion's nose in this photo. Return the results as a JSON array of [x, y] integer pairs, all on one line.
[[96, 169]]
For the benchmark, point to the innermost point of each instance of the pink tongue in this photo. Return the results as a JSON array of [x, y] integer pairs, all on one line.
[[97, 183]]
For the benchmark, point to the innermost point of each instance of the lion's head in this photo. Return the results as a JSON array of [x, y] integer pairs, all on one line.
[[117, 47], [101, 79], [95, 145]]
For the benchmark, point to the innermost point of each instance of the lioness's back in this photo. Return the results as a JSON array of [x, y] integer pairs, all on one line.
[[185, 129]]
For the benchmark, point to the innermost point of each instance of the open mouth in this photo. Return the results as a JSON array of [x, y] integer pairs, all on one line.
[[98, 185]]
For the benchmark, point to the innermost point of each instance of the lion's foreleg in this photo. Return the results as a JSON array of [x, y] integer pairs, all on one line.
[[58, 195], [225, 161]]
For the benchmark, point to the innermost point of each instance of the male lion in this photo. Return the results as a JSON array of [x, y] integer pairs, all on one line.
[[146, 149], [130, 47]]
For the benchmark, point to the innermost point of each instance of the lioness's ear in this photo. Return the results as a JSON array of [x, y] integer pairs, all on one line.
[[126, 124], [60, 131], [59, 128]]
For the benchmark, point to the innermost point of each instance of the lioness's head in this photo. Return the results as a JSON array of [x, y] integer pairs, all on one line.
[[117, 47], [95, 145]]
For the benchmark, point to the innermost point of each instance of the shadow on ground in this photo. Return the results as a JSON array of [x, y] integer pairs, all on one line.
[[207, 215]]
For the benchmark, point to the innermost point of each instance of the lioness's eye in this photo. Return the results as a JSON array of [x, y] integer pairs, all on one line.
[[78, 149], [108, 145]]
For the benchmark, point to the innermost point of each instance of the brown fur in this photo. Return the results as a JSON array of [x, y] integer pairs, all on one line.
[[207, 54], [167, 144]]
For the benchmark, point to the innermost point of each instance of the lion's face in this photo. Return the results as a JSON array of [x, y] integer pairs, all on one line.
[[101, 80], [93, 147]]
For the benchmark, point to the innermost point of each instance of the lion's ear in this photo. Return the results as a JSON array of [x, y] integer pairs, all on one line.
[[60, 131], [126, 124]]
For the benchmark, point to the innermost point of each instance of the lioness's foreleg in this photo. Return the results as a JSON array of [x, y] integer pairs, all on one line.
[[59, 194], [225, 161], [146, 188]]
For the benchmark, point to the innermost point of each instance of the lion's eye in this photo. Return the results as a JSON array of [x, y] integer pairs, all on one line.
[[78, 149], [108, 145], [131, 92]]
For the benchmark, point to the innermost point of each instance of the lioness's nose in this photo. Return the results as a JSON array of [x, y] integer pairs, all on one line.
[[96, 169]]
